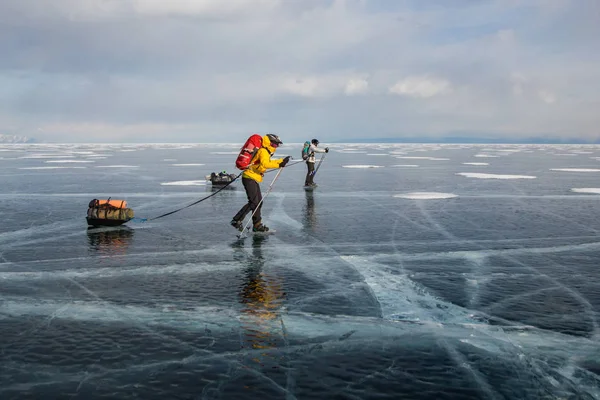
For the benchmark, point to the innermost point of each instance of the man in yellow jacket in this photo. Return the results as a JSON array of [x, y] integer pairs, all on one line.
[[251, 178]]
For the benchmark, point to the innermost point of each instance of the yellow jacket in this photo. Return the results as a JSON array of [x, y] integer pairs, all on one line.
[[262, 161]]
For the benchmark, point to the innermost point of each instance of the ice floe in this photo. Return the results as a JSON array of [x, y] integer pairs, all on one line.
[[426, 195], [184, 183], [362, 166], [575, 169], [493, 176], [586, 190]]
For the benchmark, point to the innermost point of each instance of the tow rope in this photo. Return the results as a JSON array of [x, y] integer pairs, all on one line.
[[204, 198]]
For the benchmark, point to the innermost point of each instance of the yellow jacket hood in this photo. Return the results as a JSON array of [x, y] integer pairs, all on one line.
[[266, 143]]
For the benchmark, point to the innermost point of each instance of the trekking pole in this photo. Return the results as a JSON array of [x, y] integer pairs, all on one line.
[[319, 165], [260, 202]]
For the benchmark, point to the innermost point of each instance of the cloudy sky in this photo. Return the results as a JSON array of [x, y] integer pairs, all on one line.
[[218, 70]]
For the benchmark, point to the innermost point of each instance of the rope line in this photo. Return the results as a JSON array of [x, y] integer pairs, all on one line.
[[209, 196]]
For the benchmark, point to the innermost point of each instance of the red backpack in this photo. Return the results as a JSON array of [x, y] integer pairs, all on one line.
[[248, 151]]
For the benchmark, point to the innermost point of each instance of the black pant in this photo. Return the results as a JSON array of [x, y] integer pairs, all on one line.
[[254, 198], [309, 176]]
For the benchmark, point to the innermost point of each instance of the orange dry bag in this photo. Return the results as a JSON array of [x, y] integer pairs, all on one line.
[[248, 151]]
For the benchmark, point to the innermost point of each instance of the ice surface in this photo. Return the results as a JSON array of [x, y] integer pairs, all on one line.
[[475, 163], [186, 165], [494, 176], [404, 165], [425, 195], [409, 282]]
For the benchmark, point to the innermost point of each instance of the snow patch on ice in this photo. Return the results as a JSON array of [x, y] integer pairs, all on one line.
[[494, 176], [170, 159], [53, 168], [426, 195], [225, 152], [586, 190], [117, 166], [186, 165], [575, 169], [42, 156], [422, 158], [184, 183], [362, 166], [475, 163], [376, 154], [69, 161]]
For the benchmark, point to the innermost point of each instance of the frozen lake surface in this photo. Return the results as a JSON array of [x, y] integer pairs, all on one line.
[[411, 271]]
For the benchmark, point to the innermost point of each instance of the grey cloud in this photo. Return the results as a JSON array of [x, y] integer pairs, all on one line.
[[285, 65]]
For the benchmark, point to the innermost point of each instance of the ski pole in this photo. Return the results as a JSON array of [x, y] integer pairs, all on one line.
[[260, 202], [319, 165]]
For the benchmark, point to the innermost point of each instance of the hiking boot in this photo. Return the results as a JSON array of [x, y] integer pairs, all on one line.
[[260, 228], [237, 225]]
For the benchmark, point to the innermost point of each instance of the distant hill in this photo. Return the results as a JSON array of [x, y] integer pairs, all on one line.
[[15, 139], [469, 140]]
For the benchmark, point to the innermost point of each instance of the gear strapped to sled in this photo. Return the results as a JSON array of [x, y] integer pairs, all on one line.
[[108, 212]]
